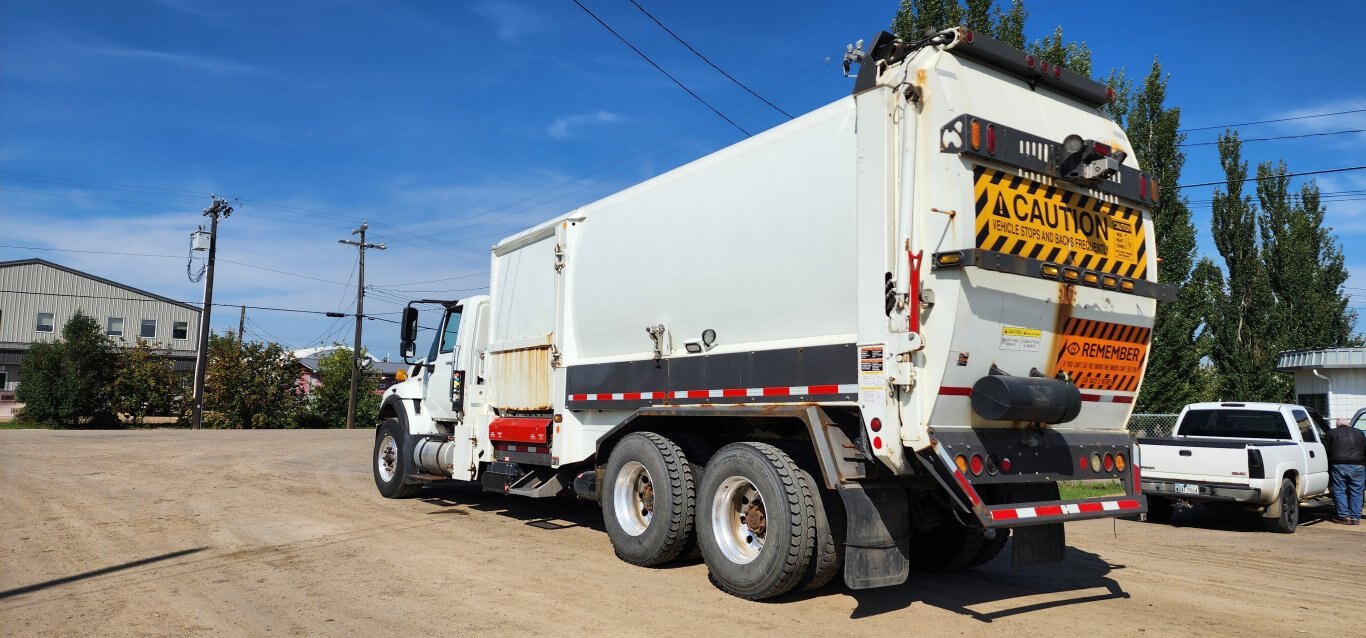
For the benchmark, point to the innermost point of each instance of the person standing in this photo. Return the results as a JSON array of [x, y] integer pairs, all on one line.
[[1347, 470]]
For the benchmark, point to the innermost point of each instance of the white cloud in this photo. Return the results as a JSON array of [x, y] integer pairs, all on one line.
[[511, 21], [561, 129], [207, 63]]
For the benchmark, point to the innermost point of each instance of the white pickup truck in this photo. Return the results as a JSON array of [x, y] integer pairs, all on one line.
[[1265, 457]]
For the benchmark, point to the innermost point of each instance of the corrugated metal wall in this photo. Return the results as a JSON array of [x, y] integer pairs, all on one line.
[[19, 311]]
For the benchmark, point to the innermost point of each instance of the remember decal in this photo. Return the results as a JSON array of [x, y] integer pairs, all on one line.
[[1098, 355]]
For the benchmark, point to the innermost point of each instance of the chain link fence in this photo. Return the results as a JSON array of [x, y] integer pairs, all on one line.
[[1152, 424]]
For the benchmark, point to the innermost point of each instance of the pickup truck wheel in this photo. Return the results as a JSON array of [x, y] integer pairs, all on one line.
[[648, 500], [391, 462], [1290, 510], [1159, 509], [758, 521]]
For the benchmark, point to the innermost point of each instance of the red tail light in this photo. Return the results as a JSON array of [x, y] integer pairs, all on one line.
[[991, 139], [1005, 466], [967, 35], [976, 464], [875, 425], [1142, 187], [1109, 462], [1103, 149], [1057, 71], [1029, 61], [1043, 66]]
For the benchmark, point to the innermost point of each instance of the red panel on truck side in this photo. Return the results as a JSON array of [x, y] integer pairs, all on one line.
[[520, 430]]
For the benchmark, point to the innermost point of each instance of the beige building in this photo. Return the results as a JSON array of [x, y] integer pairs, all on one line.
[[37, 297]]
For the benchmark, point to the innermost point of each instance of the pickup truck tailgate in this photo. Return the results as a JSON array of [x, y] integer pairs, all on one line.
[[1194, 458]]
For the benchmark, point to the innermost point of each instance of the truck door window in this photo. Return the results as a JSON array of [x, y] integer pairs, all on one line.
[[449, 332], [1306, 426]]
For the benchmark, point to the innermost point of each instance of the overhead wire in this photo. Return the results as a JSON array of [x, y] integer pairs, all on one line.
[[707, 60], [1278, 176], [1278, 137], [661, 69], [1282, 119]]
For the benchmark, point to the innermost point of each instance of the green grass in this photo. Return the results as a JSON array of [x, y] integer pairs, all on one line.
[[1072, 490], [17, 425]]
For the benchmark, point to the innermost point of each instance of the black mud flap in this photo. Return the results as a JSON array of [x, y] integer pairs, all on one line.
[[877, 542], [1037, 544]]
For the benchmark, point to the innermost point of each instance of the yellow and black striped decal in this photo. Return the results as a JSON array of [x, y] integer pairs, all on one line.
[[1098, 355], [1022, 217]]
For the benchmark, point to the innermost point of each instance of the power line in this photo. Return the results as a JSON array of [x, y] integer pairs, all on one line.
[[1258, 179], [188, 303], [661, 69], [709, 62], [1278, 137], [1283, 119]]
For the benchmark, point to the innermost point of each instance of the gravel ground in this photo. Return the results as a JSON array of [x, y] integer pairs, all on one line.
[[175, 533]]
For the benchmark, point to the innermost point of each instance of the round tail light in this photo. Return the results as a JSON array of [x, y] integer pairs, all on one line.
[[976, 465], [1005, 466], [1109, 462], [875, 425]]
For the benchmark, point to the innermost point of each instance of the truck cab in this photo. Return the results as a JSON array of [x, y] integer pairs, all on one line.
[[444, 396]]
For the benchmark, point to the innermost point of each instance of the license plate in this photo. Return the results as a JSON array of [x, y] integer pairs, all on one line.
[[1185, 488]]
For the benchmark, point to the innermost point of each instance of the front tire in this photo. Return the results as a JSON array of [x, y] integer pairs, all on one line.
[[648, 499], [391, 461], [1290, 510], [758, 521]]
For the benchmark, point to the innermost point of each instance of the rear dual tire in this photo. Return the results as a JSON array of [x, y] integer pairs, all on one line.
[[761, 525], [648, 499]]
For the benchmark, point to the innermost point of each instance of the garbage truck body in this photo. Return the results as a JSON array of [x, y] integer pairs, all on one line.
[[869, 340]]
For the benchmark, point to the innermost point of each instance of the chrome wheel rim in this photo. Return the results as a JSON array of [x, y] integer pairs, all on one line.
[[633, 498], [739, 521], [386, 458]]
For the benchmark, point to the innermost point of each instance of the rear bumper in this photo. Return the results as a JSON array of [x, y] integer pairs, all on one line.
[[1044, 457], [1220, 492]]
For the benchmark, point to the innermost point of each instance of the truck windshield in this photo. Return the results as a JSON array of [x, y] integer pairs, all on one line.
[[1235, 424]]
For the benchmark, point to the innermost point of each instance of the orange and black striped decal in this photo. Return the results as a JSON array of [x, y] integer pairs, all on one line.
[[1098, 355], [1022, 217]]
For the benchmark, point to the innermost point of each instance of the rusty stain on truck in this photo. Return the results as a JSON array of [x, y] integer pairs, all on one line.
[[521, 378], [1067, 299]]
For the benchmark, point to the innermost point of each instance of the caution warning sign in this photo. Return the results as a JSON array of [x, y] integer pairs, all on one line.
[[1023, 217], [1098, 355]]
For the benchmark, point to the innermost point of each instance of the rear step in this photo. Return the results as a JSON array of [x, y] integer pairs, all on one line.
[[523, 480]]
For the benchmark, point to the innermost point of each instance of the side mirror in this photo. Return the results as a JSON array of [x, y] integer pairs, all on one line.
[[408, 332]]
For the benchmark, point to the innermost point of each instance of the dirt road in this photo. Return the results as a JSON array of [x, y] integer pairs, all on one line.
[[178, 533]]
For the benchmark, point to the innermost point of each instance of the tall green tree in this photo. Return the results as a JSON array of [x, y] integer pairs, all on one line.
[[327, 403], [250, 385], [1304, 263], [915, 18], [1243, 322], [146, 383], [1175, 376], [69, 381], [1073, 56]]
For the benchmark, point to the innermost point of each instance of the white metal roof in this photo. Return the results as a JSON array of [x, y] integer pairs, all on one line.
[[1329, 358]]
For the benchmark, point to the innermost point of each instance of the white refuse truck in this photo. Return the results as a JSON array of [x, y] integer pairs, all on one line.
[[871, 339]]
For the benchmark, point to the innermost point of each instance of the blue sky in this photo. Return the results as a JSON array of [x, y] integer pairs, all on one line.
[[451, 124]]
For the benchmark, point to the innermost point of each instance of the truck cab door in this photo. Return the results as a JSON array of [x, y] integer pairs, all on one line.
[[444, 383], [1315, 455]]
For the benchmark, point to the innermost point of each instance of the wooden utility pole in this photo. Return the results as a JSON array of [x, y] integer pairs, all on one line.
[[218, 208], [360, 316], [241, 326]]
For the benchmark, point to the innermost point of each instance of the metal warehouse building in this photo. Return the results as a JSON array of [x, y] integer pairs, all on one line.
[[1332, 381], [37, 297]]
